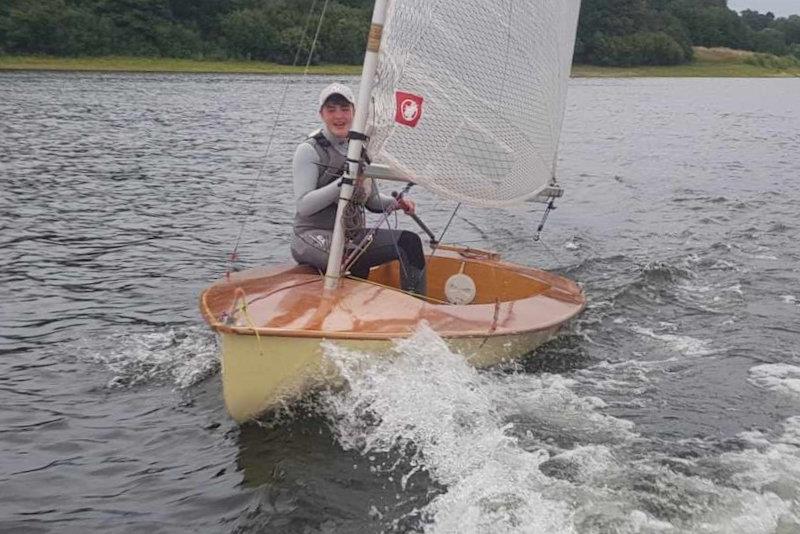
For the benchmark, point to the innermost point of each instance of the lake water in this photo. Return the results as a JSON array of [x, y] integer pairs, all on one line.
[[671, 405]]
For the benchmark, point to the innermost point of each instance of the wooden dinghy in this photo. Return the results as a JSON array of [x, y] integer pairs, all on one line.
[[272, 321], [465, 98]]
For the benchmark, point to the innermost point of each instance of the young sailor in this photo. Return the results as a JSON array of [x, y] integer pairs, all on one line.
[[318, 165]]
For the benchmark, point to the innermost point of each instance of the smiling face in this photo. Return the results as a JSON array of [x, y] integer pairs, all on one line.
[[337, 114]]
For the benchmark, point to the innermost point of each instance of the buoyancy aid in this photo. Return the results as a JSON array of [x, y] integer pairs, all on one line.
[[332, 165]]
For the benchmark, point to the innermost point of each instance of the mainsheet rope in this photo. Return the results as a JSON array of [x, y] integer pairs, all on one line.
[[446, 227], [362, 246], [278, 112], [537, 238]]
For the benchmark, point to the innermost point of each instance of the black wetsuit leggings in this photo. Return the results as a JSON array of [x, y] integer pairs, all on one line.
[[311, 248], [388, 245]]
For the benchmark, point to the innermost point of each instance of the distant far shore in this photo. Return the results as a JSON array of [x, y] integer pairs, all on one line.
[[707, 63], [166, 65]]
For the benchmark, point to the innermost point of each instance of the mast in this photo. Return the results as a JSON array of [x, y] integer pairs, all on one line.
[[333, 272]]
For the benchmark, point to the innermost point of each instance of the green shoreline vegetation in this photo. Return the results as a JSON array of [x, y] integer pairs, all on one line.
[[713, 62], [615, 38], [167, 65]]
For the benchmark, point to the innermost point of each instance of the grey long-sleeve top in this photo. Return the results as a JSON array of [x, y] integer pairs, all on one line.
[[305, 171]]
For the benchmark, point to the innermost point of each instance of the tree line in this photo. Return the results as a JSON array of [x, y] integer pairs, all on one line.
[[662, 32], [610, 32]]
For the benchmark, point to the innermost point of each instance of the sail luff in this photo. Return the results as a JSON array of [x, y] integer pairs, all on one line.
[[565, 65]]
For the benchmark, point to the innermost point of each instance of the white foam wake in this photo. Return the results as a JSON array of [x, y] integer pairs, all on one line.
[[428, 400], [525, 453], [182, 357], [780, 377], [687, 345], [771, 470]]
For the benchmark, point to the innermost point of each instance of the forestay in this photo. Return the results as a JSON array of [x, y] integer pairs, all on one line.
[[470, 95]]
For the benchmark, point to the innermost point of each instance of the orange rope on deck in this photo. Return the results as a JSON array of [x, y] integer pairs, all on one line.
[[410, 293], [241, 297]]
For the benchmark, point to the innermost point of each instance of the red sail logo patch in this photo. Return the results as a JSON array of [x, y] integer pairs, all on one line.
[[409, 108]]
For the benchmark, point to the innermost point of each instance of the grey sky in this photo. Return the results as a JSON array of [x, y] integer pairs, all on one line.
[[781, 8]]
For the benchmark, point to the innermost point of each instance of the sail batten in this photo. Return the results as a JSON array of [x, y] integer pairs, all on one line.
[[484, 83]]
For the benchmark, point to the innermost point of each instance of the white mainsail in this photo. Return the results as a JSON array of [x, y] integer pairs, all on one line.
[[470, 95]]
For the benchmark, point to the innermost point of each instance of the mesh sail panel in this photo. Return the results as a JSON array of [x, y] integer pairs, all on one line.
[[481, 88]]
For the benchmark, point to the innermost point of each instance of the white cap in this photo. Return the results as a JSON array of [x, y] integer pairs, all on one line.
[[336, 89]]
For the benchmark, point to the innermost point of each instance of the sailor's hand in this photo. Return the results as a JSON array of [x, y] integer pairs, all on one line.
[[407, 205]]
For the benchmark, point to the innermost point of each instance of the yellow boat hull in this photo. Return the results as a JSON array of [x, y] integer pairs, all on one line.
[[260, 373]]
